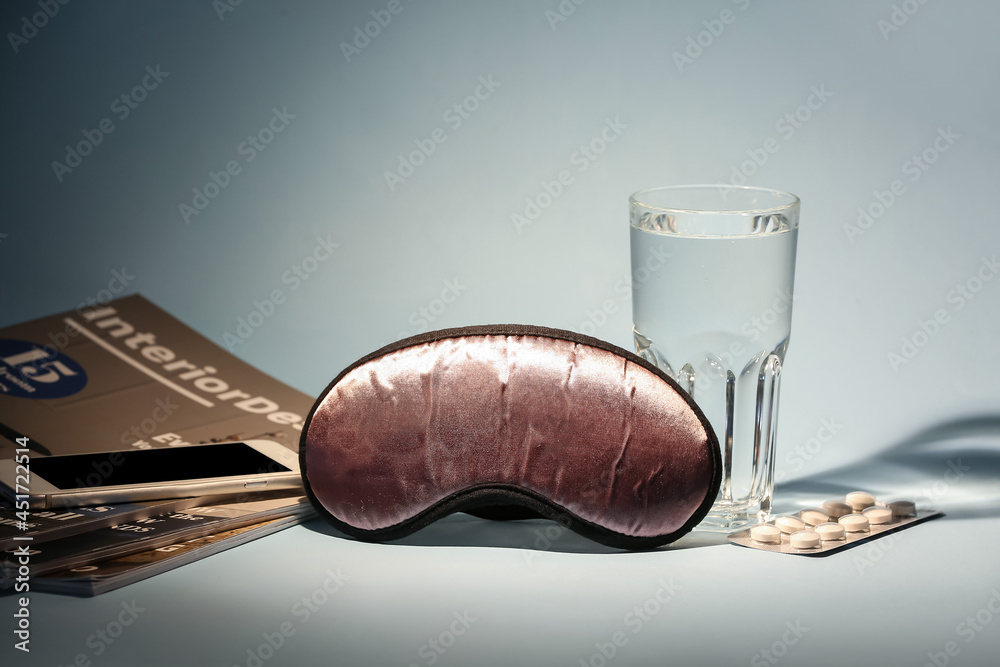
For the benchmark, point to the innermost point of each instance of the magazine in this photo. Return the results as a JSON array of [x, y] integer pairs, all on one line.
[[121, 375], [149, 533], [126, 374], [47, 525], [109, 575]]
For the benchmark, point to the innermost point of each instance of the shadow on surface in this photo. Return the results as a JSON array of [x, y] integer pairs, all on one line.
[[540, 535], [952, 466]]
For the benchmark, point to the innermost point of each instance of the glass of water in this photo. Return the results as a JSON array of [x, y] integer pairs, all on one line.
[[713, 269]]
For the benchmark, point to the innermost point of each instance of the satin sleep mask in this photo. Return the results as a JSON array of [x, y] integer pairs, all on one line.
[[568, 426]]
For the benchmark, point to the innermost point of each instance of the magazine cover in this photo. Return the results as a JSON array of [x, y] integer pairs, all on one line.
[[127, 374]]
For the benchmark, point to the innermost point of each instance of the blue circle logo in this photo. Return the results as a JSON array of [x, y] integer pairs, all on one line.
[[30, 370]]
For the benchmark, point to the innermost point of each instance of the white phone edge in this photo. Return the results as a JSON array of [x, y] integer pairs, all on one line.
[[43, 495]]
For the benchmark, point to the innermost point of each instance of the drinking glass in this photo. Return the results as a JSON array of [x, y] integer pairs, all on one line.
[[713, 269]]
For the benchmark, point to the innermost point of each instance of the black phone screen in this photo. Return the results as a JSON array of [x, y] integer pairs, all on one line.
[[147, 466]]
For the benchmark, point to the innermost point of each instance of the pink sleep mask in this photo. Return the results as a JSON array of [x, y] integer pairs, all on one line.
[[472, 419]]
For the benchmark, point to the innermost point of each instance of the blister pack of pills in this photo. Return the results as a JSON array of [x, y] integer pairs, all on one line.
[[838, 524]]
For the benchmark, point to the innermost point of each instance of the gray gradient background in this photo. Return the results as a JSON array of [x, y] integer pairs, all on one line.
[[323, 176]]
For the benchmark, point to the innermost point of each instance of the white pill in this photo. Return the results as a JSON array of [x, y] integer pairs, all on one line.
[[830, 531], [765, 533], [804, 539], [855, 523], [788, 524], [859, 500], [878, 515], [814, 517], [836, 509], [903, 508]]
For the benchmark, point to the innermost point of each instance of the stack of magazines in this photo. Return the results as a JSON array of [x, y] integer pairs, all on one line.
[[91, 550], [121, 403]]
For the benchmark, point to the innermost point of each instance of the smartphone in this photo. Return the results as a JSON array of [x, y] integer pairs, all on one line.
[[149, 474]]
